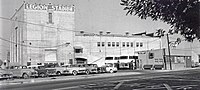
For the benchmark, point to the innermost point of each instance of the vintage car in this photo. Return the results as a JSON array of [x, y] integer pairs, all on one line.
[[110, 67], [5, 74], [61, 70], [92, 68], [76, 69], [42, 71], [22, 71]]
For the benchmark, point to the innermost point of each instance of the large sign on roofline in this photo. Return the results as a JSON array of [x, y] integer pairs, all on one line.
[[66, 8]]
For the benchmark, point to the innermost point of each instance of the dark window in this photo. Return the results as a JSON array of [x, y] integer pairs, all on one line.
[[127, 44], [117, 44], [109, 44], [123, 57], [131, 44], [98, 44], [109, 58], [151, 55], [116, 58], [137, 44], [113, 44], [39, 63], [50, 18], [141, 44], [103, 44], [78, 50], [70, 61], [123, 44]]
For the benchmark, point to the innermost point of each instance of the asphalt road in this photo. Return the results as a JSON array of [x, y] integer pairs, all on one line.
[[175, 80]]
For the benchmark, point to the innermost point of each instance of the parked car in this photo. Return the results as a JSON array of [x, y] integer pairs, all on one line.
[[148, 67], [158, 67], [92, 68], [5, 74], [22, 71], [76, 69], [42, 71], [61, 70], [111, 68]]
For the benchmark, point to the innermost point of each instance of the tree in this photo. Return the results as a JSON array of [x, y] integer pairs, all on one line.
[[182, 15]]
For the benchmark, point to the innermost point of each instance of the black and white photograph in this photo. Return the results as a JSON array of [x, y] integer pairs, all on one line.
[[99, 44]]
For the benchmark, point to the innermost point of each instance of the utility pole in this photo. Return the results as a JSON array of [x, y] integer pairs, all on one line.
[[16, 42], [170, 62]]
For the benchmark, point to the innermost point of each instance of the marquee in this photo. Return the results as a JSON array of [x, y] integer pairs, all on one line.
[[67, 8]]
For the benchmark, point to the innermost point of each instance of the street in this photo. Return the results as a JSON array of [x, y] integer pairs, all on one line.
[[146, 80]]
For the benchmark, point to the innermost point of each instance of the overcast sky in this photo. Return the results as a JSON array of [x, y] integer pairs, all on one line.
[[93, 15]]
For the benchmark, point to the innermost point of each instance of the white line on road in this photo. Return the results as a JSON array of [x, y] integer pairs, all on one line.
[[167, 86], [118, 85]]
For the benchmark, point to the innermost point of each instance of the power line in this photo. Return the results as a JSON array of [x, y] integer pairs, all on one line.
[[33, 46]]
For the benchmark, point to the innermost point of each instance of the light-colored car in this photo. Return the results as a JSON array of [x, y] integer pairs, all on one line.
[[5, 74], [61, 70], [22, 71], [76, 69], [110, 67], [92, 68]]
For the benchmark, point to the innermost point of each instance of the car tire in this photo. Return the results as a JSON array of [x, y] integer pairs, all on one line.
[[58, 73], [42, 75], [25, 76], [74, 73], [111, 71], [87, 72]]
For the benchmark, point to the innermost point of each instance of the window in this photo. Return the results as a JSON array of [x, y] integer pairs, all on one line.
[[141, 44], [116, 58], [131, 44], [137, 44], [117, 44], [98, 44], [127, 44], [123, 44], [151, 55], [113, 44], [78, 50], [123, 57], [109, 44], [50, 18], [109, 58], [103, 44]]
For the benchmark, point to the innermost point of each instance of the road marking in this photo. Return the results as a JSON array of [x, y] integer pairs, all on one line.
[[66, 88], [118, 85], [167, 86]]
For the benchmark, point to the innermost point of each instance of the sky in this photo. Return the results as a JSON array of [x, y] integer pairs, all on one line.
[[92, 16]]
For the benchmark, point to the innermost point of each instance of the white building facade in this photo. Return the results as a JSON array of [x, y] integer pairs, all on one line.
[[43, 33], [95, 48]]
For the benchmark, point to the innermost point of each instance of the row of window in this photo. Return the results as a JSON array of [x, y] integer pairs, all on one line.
[[116, 44]]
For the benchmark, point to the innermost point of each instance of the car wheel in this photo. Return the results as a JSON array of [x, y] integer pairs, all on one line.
[[25, 76], [58, 73], [42, 75], [87, 72], [111, 71], [74, 73]]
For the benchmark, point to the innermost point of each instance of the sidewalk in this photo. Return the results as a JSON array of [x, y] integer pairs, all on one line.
[[71, 77]]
